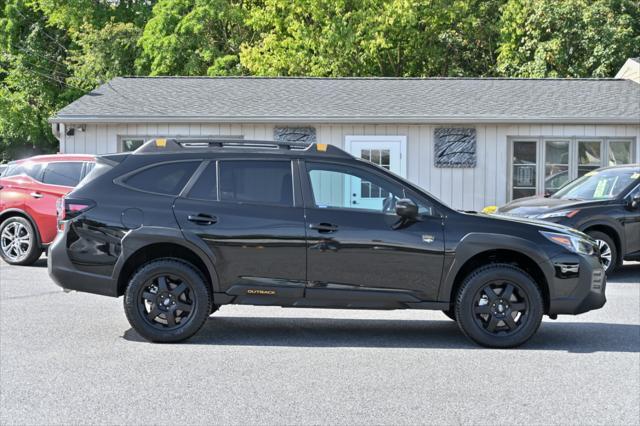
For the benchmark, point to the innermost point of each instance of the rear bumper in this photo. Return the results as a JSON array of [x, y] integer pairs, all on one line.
[[577, 293], [65, 274]]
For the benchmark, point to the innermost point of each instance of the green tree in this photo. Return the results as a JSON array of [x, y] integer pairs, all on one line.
[[373, 38], [32, 79], [568, 38], [194, 37]]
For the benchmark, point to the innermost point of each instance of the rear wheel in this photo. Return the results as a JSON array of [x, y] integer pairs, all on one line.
[[499, 306], [608, 251], [18, 242], [167, 300]]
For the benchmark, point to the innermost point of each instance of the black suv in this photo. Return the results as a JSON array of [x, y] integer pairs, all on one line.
[[180, 227], [604, 203]]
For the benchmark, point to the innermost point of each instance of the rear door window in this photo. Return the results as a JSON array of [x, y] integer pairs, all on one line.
[[262, 182], [206, 187], [63, 173], [165, 178]]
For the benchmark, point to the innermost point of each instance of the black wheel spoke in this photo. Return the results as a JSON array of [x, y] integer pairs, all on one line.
[[149, 296], [507, 292], [179, 290], [484, 309], [162, 283], [183, 307], [493, 323], [171, 317], [518, 306], [491, 294], [508, 319], [153, 313]]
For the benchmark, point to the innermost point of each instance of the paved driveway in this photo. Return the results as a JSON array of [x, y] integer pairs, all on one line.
[[72, 358]]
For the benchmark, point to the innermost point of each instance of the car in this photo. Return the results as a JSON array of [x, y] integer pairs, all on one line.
[[29, 192], [182, 227], [603, 203], [3, 167]]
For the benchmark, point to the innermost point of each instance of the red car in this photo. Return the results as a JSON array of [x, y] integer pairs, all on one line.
[[29, 191]]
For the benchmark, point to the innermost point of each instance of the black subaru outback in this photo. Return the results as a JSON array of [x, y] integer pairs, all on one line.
[[181, 227]]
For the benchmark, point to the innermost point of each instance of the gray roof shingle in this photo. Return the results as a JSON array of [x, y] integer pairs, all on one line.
[[238, 99]]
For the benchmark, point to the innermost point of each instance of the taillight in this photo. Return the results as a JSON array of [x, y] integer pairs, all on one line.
[[68, 208]]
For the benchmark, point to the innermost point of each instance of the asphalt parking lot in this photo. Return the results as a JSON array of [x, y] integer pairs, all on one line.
[[73, 359]]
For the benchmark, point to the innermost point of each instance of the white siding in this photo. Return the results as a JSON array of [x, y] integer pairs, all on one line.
[[464, 188]]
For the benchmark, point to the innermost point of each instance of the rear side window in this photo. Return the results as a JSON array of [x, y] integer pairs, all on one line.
[[93, 171], [166, 178], [206, 187], [27, 168], [263, 182], [63, 173]]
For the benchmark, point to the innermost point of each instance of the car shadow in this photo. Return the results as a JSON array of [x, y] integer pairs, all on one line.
[[575, 337], [629, 273]]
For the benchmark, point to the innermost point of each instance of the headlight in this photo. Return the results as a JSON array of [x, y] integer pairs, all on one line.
[[572, 243], [559, 213]]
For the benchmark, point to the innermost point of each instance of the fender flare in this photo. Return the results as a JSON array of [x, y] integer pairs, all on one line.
[[145, 236], [609, 224], [19, 212], [475, 243]]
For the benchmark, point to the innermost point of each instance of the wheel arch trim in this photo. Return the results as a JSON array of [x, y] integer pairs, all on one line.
[[146, 236], [19, 212], [474, 244]]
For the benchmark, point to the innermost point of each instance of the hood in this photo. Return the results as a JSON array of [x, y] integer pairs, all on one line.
[[541, 225], [537, 205]]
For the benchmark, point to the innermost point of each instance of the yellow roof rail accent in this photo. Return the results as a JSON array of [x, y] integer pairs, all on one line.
[[321, 147], [161, 143]]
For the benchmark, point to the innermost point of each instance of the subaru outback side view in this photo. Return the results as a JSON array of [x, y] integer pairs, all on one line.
[[181, 227]]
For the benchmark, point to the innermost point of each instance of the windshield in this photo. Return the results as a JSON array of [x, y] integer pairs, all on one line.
[[599, 185]]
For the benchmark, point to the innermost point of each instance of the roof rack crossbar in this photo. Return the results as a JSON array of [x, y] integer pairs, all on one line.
[[175, 145]]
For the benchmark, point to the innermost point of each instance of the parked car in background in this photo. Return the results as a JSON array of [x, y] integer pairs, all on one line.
[[604, 203], [182, 227], [29, 192]]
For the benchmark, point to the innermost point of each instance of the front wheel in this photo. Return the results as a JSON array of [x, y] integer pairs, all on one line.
[[18, 242], [608, 252], [499, 306], [167, 300]]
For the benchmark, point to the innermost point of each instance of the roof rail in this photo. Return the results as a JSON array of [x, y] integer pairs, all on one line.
[[179, 145]]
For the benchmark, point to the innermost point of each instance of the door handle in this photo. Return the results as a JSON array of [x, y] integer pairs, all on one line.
[[36, 195], [324, 228], [203, 219]]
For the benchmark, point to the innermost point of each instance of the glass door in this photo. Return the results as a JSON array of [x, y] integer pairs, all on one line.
[[524, 161], [556, 165]]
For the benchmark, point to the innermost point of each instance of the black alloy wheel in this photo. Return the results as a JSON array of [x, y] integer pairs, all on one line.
[[167, 300], [499, 306]]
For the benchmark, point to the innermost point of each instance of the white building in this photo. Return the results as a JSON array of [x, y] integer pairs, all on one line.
[[471, 142]]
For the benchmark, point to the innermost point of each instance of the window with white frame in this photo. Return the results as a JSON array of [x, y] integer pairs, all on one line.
[[131, 144], [543, 165]]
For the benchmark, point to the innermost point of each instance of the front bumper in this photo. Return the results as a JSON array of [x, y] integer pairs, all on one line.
[[572, 292], [65, 274]]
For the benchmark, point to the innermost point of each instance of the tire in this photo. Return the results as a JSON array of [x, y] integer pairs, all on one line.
[[606, 246], [499, 320], [450, 313], [155, 294], [19, 244]]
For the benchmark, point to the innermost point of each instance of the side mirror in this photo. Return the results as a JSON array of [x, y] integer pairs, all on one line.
[[406, 209], [634, 203]]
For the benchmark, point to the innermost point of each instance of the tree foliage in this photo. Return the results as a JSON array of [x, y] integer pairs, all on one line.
[[373, 38], [569, 38], [194, 37]]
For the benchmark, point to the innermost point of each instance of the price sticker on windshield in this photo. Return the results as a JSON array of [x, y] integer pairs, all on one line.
[[635, 176]]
